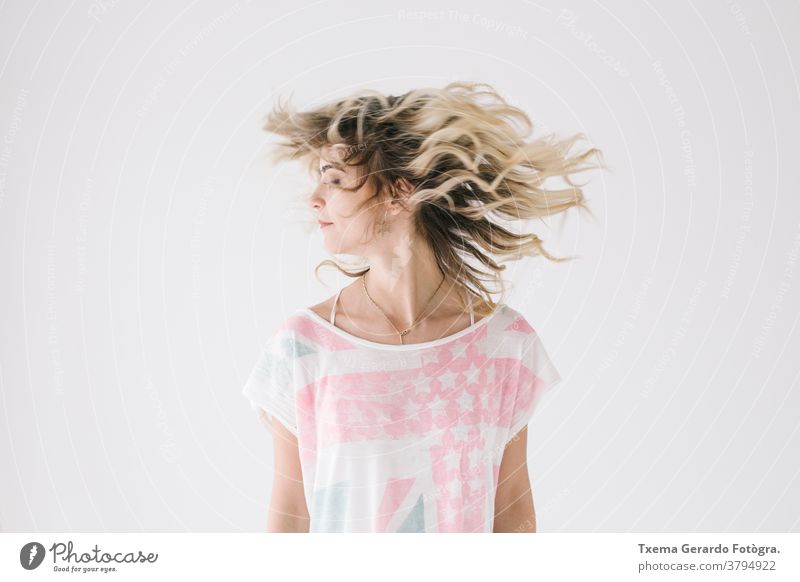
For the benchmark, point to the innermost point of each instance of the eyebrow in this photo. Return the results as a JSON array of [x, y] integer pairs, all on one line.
[[331, 164]]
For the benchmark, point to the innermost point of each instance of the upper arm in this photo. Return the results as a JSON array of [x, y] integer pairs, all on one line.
[[513, 477], [513, 498], [288, 508]]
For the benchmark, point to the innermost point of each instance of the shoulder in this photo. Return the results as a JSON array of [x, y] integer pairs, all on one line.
[[288, 329], [512, 321], [323, 309], [513, 329], [300, 327], [516, 322]]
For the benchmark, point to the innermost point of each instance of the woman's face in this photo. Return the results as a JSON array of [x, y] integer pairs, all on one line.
[[346, 226]]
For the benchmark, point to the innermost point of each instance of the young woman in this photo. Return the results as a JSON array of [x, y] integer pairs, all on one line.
[[400, 404]]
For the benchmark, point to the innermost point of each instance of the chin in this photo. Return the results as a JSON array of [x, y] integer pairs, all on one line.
[[335, 248], [337, 245]]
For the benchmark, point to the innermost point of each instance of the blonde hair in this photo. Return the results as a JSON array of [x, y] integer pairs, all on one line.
[[469, 165]]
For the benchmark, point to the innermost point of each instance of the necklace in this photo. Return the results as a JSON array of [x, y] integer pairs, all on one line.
[[413, 323]]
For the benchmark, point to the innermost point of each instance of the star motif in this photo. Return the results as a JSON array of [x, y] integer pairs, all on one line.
[[465, 401], [448, 512], [472, 373], [455, 487], [452, 458], [411, 408], [448, 380], [475, 485], [460, 434], [474, 457]]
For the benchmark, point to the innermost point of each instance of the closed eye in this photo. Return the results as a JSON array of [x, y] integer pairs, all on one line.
[[319, 173]]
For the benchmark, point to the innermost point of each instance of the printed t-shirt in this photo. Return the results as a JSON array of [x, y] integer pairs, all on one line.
[[401, 438]]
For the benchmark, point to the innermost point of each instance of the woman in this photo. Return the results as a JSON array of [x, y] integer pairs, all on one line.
[[401, 402]]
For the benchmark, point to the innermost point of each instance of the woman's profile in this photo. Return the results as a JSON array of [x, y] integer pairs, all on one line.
[[400, 403]]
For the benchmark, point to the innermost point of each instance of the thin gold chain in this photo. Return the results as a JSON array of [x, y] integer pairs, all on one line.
[[413, 323]]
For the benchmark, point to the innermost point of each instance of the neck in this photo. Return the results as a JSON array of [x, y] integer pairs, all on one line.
[[403, 282]]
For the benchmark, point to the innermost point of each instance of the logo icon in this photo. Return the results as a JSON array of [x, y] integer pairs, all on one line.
[[31, 555]]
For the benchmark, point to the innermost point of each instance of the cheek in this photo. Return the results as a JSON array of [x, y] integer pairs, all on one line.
[[345, 210], [339, 206]]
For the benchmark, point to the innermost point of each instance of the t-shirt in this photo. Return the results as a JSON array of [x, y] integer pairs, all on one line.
[[401, 438]]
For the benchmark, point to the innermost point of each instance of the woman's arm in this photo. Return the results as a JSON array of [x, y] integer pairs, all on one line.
[[288, 511], [513, 504]]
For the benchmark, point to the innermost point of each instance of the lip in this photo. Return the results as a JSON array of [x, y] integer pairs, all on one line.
[[323, 224]]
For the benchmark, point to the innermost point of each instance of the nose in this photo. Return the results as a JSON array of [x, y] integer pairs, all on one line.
[[316, 200]]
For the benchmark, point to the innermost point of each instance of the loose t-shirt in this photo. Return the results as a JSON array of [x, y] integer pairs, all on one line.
[[401, 438]]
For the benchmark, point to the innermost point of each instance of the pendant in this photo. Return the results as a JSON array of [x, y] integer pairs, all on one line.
[[404, 332]]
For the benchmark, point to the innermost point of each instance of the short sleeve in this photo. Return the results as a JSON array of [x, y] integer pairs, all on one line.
[[270, 387], [537, 375]]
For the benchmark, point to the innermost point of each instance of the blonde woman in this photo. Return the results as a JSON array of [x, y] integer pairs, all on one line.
[[400, 404]]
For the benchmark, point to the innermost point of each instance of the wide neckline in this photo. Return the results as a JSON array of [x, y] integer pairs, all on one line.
[[400, 347]]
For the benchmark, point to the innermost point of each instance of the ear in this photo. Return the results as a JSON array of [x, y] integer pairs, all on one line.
[[404, 187], [398, 201]]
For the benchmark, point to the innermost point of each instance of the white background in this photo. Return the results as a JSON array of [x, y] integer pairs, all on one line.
[[147, 250]]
